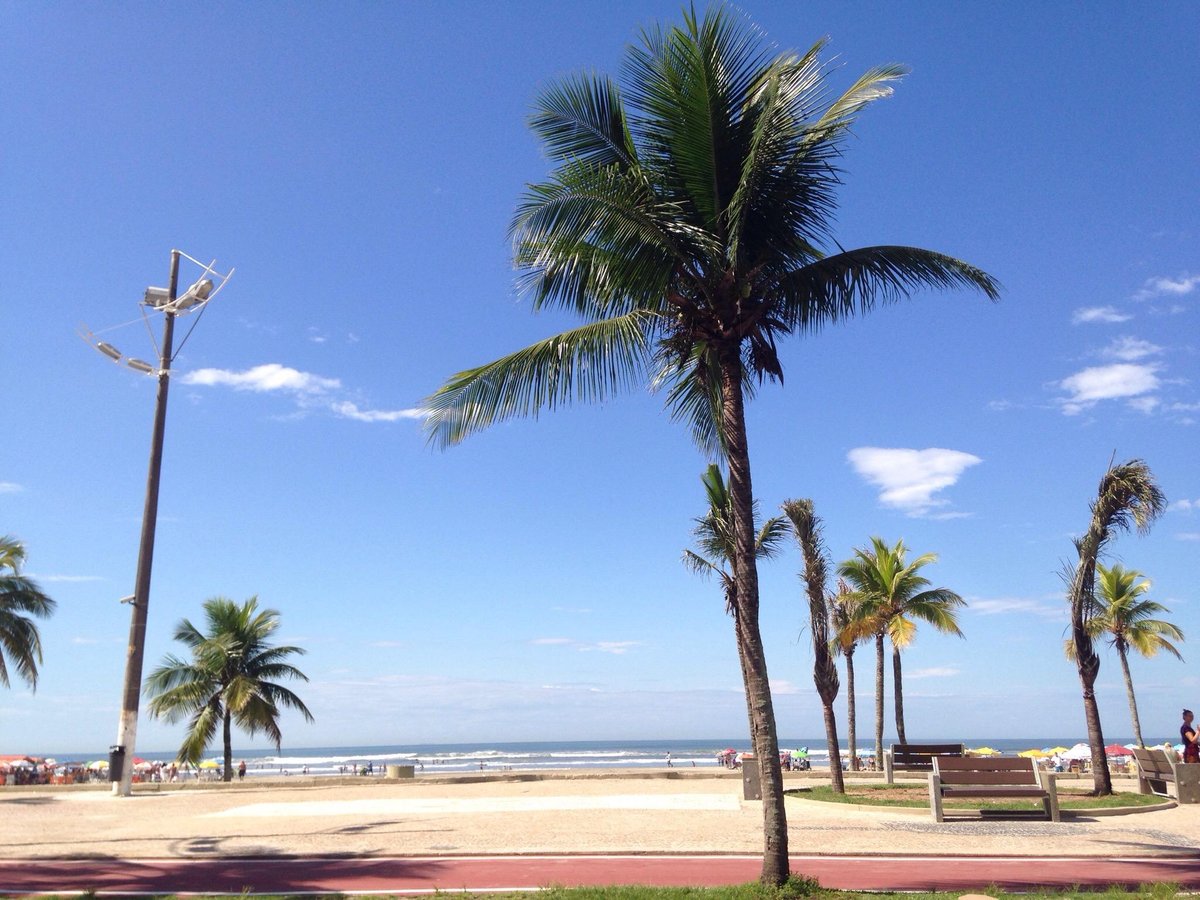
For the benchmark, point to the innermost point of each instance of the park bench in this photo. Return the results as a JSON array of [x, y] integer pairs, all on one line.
[[1159, 773], [954, 777], [915, 758]]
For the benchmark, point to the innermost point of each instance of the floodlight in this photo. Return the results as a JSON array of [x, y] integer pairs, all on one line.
[[195, 295], [156, 296], [140, 366], [128, 599], [109, 350]]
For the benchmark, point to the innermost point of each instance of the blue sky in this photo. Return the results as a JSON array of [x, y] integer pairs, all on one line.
[[359, 164]]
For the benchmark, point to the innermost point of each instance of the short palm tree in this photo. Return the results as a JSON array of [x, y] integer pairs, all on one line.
[[847, 635], [685, 224], [807, 527], [231, 679], [714, 539], [892, 595], [20, 598], [1124, 615], [1128, 496]]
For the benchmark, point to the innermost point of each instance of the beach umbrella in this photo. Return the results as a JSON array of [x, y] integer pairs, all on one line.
[[984, 751], [1116, 750], [210, 764], [1033, 754], [1054, 751], [98, 765], [1079, 751]]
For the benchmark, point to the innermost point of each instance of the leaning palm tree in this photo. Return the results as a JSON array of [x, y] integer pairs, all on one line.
[[686, 225], [807, 527], [714, 539], [847, 635], [1128, 496], [230, 679], [892, 595], [20, 598], [1123, 615]]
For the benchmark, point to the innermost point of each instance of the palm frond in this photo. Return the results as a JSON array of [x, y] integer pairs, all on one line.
[[589, 364], [582, 118]]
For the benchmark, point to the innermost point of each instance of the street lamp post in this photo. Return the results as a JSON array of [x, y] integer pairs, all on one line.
[[127, 727], [171, 305]]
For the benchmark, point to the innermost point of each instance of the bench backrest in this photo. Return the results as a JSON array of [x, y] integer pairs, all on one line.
[[999, 771], [919, 757], [1154, 764]]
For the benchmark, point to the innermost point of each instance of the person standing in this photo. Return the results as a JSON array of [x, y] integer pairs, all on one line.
[[1190, 738], [241, 770]]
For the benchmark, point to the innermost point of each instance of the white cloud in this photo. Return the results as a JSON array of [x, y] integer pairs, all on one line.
[[265, 378], [68, 579], [1160, 286], [10, 487], [348, 410], [1145, 405], [1188, 536], [1184, 506], [551, 641], [931, 672], [1115, 382], [616, 648], [1104, 314], [909, 478], [1131, 349], [1004, 605]]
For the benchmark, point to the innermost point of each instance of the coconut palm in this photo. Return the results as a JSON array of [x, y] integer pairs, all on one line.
[[714, 538], [1123, 615], [892, 596], [685, 224], [20, 598], [807, 527], [1128, 496], [231, 679], [847, 635]]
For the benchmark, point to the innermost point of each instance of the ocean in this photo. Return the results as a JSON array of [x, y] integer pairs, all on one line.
[[546, 755]]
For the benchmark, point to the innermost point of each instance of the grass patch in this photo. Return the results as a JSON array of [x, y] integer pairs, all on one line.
[[917, 796]]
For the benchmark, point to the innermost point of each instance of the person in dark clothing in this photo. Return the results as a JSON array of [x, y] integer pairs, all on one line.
[[1190, 737]]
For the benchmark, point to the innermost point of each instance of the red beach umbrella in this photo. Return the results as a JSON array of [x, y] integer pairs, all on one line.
[[1117, 750]]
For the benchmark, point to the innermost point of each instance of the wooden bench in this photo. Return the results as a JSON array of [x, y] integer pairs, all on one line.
[[915, 758], [1159, 773], [953, 777]]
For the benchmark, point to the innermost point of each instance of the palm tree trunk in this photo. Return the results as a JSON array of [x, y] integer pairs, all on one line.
[[228, 735], [837, 779], [1086, 659], [1133, 713], [775, 868], [851, 729], [878, 700], [898, 693]]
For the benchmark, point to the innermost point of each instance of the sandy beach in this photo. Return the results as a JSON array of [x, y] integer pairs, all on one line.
[[611, 812]]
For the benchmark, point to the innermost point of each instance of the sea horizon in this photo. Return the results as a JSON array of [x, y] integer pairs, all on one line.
[[454, 757]]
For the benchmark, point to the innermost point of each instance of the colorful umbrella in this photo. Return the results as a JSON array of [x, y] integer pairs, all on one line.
[[210, 764], [984, 751], [1116, 750], [1033, 754], [1054, 751]]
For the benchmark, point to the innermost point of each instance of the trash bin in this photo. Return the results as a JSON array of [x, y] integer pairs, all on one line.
[[116, 762], [751, 778]]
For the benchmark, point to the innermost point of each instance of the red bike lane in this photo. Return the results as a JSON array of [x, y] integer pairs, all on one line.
[[427, 874]]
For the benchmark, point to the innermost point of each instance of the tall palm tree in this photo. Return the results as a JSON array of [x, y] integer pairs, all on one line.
[[1123, 615], [807, 527], [847, 635], [1128, 495], [685, 224], [20, 598], [892, 595], [231, 679], [714, 538]]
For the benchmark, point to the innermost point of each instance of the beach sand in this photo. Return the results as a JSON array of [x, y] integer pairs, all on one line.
[[611, 812]]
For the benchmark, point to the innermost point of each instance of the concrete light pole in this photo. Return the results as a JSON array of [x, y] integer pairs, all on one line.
[[165, 301], [127, 727]]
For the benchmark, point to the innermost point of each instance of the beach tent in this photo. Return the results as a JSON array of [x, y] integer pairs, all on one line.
[[1080, 751]]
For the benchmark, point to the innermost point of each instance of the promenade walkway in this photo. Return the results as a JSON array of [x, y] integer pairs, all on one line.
[[422, 835]]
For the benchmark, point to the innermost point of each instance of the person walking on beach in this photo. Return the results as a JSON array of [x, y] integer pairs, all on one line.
[[241, 770], [669, 763], [1190, 738]]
